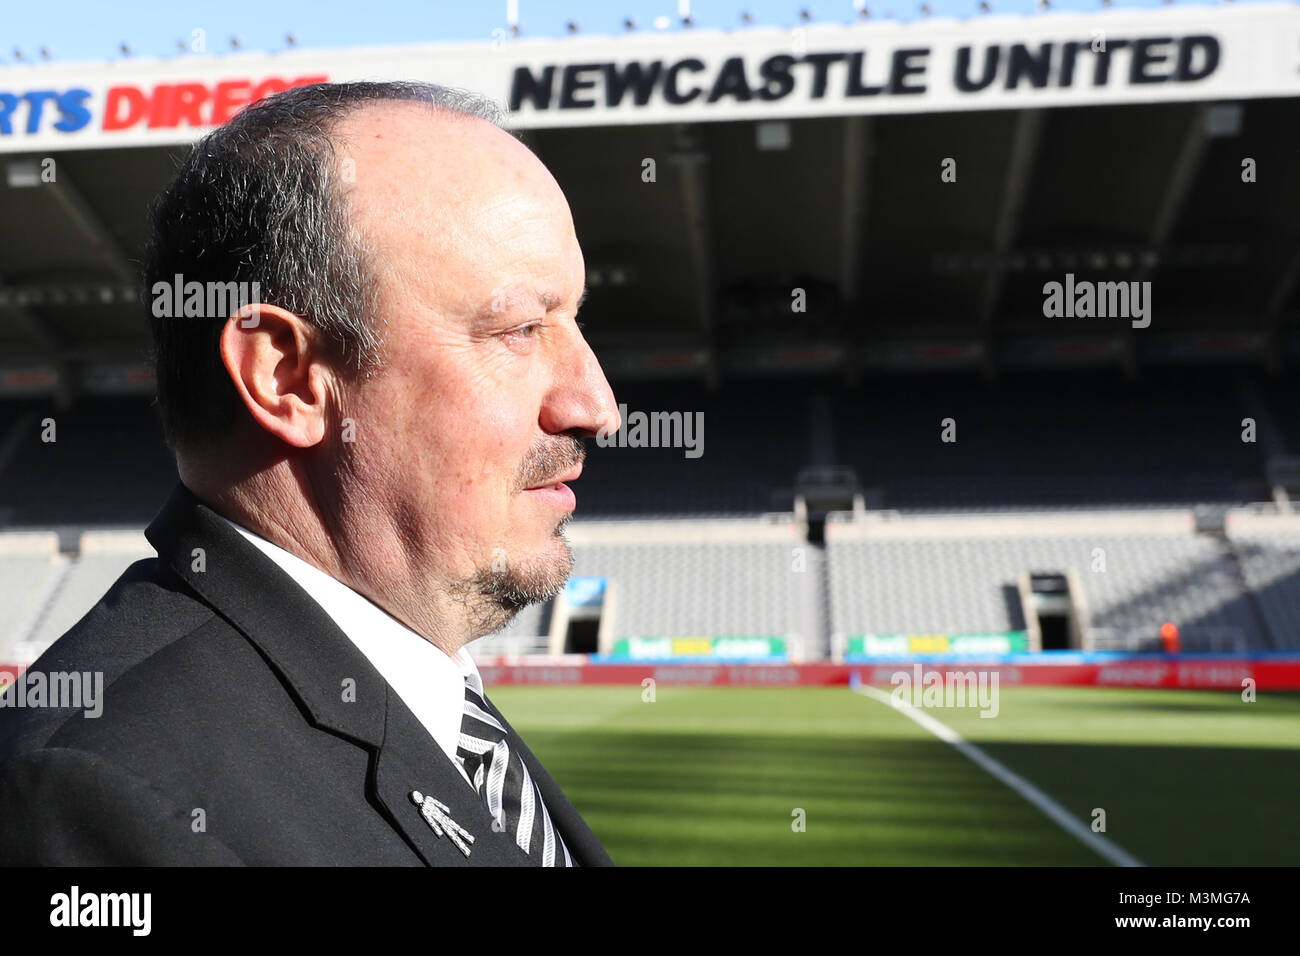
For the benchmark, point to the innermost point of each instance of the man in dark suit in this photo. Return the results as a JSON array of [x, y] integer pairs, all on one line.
[[372, 443]]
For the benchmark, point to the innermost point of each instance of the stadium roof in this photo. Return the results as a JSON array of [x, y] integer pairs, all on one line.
[[1112, 146]]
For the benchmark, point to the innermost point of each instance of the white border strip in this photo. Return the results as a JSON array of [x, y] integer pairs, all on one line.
[[1058, 814]]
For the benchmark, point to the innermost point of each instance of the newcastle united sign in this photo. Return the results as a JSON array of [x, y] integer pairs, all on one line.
[[1049, 59], [843, 75]]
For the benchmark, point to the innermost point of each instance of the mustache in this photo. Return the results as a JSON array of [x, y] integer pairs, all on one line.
[[548, 459]]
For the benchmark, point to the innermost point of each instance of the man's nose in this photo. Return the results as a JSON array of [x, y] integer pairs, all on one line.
[[580, 399]]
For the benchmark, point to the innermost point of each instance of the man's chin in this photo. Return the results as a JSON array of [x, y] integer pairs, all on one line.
[[501, 591]]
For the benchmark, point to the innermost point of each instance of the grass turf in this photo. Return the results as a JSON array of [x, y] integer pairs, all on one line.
[[714, 776]]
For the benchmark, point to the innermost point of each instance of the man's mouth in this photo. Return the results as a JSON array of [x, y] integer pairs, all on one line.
[[570, 475], [555, 492]]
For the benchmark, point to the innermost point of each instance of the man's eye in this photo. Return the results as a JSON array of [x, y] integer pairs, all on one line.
[[526, 331]]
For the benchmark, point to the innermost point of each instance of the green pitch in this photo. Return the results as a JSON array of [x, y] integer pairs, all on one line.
[[716, 776]]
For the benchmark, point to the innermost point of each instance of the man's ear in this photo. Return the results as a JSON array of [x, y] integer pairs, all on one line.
[[278, 372]]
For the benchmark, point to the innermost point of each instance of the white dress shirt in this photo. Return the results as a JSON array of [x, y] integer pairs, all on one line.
[[428, 681]]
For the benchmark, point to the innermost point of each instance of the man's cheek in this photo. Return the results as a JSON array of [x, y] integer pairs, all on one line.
[[499, 410], [501, 449]]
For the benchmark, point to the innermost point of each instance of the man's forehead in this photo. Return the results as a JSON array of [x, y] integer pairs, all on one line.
[[402, 158], [460, 209], [395, 120]]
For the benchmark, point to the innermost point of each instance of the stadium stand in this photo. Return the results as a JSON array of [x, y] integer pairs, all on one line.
[[718, 578], [1271, 563], [1036, 441], [1029, 448], [1027, 443], [1030, 442], [970, 585], [754, 442], [1281, 397], [107, 465], [727, 588], [102, 558], [809, 285], [1268, 550], [526, 633]]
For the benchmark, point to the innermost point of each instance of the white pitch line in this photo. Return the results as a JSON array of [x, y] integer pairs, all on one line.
[[1097, 842]]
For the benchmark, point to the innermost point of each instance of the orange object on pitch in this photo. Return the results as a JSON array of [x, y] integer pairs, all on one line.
[[1169, 637]]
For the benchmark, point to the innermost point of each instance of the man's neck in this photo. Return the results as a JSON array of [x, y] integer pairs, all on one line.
[[282, 517]]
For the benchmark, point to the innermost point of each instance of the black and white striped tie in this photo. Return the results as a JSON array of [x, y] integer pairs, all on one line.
[[504, 783]]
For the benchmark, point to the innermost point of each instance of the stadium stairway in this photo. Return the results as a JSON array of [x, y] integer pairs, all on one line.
[[26, 645], [31, 569], [814, 603]]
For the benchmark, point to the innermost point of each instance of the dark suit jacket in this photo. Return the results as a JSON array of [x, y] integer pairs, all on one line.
[[224, 693]]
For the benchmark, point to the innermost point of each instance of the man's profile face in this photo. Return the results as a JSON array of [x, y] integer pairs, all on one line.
[[488, 383]]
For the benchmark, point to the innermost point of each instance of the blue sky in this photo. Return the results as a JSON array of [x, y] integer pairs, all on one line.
[[93, 29]]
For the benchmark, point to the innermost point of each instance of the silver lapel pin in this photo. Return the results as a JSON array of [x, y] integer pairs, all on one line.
[[437, 815]]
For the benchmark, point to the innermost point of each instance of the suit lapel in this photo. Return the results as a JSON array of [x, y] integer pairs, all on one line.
[[410, 760], [318, 663], [308, 651]]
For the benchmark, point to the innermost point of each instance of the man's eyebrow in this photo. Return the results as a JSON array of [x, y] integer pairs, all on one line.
[[549, 303], [552, 302]]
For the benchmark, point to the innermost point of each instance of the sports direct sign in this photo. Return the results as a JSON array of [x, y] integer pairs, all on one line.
[[128, 110], [1130, 56], [173, 105]]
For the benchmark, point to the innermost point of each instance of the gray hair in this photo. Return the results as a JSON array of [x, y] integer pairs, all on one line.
[[258, 200]]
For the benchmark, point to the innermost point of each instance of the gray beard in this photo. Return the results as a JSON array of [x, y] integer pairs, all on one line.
[[492, 597]]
